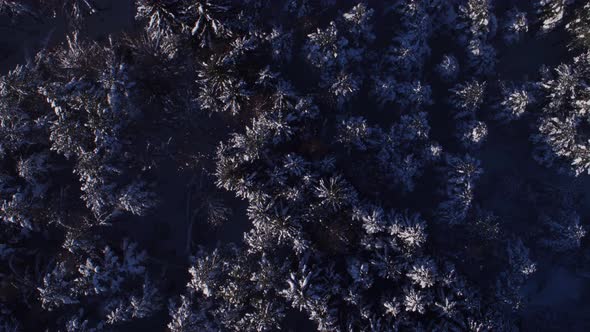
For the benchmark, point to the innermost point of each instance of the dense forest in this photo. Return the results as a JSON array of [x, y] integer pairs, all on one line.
[[296, 165]]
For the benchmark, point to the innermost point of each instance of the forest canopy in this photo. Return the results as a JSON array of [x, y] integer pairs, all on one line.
[[297, 165]]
